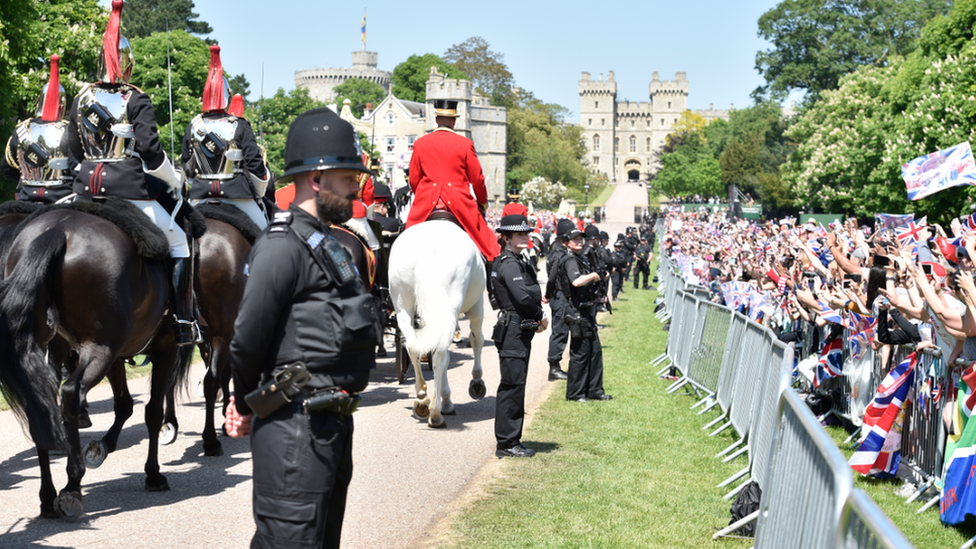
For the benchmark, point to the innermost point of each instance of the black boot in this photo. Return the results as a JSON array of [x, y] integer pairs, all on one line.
[[187, 330], [556, 374]]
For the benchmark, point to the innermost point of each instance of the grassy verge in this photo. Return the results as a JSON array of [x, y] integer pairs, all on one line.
[[636, 471], [604, 195], [925, 531]]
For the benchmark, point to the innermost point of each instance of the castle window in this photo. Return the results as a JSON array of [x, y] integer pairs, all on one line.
[[633, 143], [589, 122], [390, 144], [616, 144], [662, 122], [603, 121], [675, 120], [390, 119], [648, 144], [648, 123], [596, 143], [632, 122], [596, 104], [669, 104], [596, 160]]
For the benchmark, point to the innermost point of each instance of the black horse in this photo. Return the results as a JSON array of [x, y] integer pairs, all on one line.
[[80, 277]]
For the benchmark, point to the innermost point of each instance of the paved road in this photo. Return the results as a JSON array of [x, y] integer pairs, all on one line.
[[407, 478]]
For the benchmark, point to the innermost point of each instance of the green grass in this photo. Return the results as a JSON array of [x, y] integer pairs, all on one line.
[[604, 195], [925, 531], [636, 471]]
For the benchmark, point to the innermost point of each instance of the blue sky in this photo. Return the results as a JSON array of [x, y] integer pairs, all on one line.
[[547, 45]]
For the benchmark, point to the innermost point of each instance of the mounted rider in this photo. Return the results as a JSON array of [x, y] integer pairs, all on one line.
[[114, 141], [220, 154], [33, 155], [444, 169]]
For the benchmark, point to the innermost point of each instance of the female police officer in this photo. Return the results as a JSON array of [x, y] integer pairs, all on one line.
[[519, 298]]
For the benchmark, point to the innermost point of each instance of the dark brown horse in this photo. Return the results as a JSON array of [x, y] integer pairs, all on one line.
[[80, 277]]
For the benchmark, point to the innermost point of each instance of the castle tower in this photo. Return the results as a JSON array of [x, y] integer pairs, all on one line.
[[598, 115], [320, 82]]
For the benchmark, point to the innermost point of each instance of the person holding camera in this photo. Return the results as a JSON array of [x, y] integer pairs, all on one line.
[[521, 316]]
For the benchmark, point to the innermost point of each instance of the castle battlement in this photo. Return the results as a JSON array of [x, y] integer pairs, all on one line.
[[320, 82]]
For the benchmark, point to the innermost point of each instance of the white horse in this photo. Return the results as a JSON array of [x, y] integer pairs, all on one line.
[[436, 274]]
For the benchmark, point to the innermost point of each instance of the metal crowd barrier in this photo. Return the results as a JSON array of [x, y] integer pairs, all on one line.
[[864, 525]]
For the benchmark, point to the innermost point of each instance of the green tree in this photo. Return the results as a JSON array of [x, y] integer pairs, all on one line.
[[272, 116], [141, 18], [190, 62], [688, 167], [741, 163], [485, 68], [359, 92], [816, 42], [410, 77], [239, 84]]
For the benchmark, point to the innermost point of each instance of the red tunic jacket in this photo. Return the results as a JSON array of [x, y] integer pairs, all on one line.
[[443, 169]]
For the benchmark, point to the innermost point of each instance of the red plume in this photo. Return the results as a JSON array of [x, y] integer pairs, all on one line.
[[110, 46], [236, 105], [52, 100], [213, 90]]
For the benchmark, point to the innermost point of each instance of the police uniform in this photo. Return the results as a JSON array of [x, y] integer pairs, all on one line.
[[585, 352], [559, 332], [33, 155], [303, 301], [642, 264], [618, 260], [519, 299], [220, 153]]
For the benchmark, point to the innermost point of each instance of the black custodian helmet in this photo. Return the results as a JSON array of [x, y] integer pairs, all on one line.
[[319, 140]]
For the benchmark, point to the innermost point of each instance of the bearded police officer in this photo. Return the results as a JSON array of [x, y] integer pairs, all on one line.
[[33, 156], [521, 316], [305, 330], [220, 154]]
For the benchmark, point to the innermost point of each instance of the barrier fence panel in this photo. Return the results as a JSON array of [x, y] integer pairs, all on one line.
[[865, 526], [682, 324], [777, 375], [733, 343], [808, 482], [704, 370], [923, 446], [691, 328], [749, 363]]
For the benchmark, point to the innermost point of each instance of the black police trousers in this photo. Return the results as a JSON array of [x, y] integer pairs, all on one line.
[[585, 375], [513, 363], [559, 335], [618, 281], [302, 469], [641, 269]]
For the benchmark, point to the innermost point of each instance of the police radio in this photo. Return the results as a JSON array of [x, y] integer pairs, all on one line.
[[340, 260]]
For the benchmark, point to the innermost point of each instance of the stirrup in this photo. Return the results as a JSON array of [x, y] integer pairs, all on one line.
[[187, 332]]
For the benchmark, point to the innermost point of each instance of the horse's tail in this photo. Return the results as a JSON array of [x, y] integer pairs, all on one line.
[[27, 381], [437, 315]]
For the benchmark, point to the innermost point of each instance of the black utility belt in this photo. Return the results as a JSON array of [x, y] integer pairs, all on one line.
[[524, 324], [287, 385]]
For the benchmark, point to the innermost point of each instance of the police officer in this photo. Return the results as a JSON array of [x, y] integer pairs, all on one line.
[[112, 134], [559, 336], [303, 301], [630, 246], [618, 260], [642, 258], [33, 155], [220, 153], [591, 251], [521, 316], [578, 281]]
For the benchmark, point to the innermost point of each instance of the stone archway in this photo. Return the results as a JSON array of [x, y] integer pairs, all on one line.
[[632, 168]]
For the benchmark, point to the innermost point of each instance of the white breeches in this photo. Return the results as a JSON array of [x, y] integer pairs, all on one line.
[[178, 246], [247, 205]]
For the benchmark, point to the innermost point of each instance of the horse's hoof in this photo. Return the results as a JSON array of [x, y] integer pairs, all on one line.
[[439, 424], [449, 411], [48, 511], [200, 392], [421, 409], [84, 419], [156, 483], [457, 336], [214, 448], [477, 389], [167, 434], [68, 505], [95, 454]]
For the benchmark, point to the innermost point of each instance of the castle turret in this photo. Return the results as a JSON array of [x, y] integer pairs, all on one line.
[[598, 113]]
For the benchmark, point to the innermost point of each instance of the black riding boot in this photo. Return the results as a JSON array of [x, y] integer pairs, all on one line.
[[187, 330]]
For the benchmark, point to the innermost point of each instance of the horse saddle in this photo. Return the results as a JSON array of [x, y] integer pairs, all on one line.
[[225, 213], [443, 215]]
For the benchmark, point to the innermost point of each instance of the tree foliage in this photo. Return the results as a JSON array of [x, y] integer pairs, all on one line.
[[190, 62], [359, 92], [272, 116], [141, 18], [410, 77], [543, 193], [851, 145], [485, 68], [816, 42]]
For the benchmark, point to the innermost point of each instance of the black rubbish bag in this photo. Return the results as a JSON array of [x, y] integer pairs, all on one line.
[[746, 503]]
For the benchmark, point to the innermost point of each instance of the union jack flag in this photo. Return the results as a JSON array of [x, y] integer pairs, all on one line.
[[831, 362], [909, 233], [863, 330], [968, 224], [880, 452], [829, 314]]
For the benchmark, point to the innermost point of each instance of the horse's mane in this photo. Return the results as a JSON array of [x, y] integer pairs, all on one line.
[[230, 215], [19, 207]]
